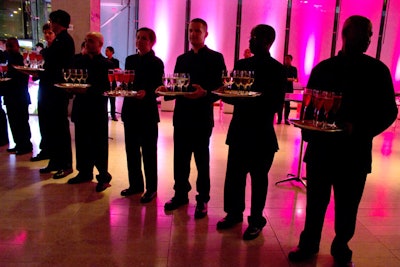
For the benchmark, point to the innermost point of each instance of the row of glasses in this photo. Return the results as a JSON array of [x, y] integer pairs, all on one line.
[[176, 82], [123, 79], [75, 75], [33, 59], [242, 79], [327, 101]]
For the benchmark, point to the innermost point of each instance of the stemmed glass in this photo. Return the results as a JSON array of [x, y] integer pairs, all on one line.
[[181, 79], [337, 101], [4, 70], [318, 103], [307, 95], [131, 77], [72, 75], [227, 79], [237, 78], [39, 59], [328, 103], [247, 79], [25, 56], [111, 78], [85, 75], [79, 75], [67, 74], [125, 80]]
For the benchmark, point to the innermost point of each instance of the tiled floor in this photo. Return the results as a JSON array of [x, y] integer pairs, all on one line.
[[46, 222]]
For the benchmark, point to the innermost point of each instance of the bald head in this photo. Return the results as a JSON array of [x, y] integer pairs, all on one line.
[[356, 35], [94, 42]]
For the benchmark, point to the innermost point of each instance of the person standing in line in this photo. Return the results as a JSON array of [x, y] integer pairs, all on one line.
[[140, 116], [59, 55], [81, 53], [193, 118], [251, 136], [43, 112], [341, 161], [291, 74], [3, 117], [17, 100], [110, 55], [89, 114]]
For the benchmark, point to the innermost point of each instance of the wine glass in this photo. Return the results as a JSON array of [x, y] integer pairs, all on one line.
[[79, 75], [227, 79], [165, 81], [3, 69], [32, 59], [328, 103], [181, 80], [25, 56], [85, 75], [318, 103], [307, 95], [72, 75], [172, 82], [125, 80], [337, 101], [111, 78], [131, 77], [67, 74], [237, 78], [247, 79], [39, 59]]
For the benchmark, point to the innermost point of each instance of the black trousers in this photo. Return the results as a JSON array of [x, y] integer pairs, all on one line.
[[91, 145], [44, 119], [188, 141], [18, 118], [286, 112], [112, 106], [348, 186], [242, 161], [141, 144], [59, 134]]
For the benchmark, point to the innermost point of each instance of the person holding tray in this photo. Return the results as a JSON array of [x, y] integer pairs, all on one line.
[[342, 160], [90, 116], [193, 118], [251, 136], [59, 55], [140, 116]]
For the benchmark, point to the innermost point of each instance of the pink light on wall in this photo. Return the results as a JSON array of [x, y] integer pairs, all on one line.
[[309, 58]]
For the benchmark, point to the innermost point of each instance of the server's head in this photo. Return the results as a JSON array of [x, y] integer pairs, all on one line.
[[262, 37]]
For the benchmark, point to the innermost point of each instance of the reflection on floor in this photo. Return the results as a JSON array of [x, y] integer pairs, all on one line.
[[46, 222]]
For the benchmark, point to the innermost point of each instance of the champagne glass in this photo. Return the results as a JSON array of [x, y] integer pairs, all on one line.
[[337, 101], [318, 103], [307, 95], [40, 62], [32, 59], [165, 80], [4, 70], [328, 103], [172, 82], [111, 78], [227, 79], [131, 77], [180, 80], [72, 75], [25, 56], [125, 81], [79, 75], [187, 82], [67, 74], [85, 75], [237, 78]]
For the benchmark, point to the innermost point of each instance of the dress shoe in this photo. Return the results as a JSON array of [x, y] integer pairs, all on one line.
[[103, 182], [81, 178], [62, 173], [148, 197], [129, 191], [229, 221], [175, 203], [39, 157], [201, 210], [254, 229], [344, 264], [298, 254], [48, 169], [12, 150]]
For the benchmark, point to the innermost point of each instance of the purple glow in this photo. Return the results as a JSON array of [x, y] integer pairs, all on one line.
[[310, 55]]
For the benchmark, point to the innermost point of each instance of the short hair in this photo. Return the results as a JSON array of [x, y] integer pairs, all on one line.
[[46, 27], [358, 21], [111, 49], [264, 32], [150, 32], [202, 21], [60, 17], [40, 44], [96, 35]]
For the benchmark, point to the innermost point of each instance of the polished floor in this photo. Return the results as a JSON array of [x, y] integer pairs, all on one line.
[[46, 222]]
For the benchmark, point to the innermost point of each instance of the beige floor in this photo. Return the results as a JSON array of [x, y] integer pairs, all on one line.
[[46, 222]]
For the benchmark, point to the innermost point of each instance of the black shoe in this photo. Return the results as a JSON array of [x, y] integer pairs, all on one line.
[[39, 157], [12, 150], [254, 229], [129, 191], [101, 186], [114, 118], [228, 222], [287, 122], [175, 203], [48, 169], [81, 178], [62, 173], [104, 182], [148, 196], [344, 264], [201, 210], [20, 152], [298, 254]]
